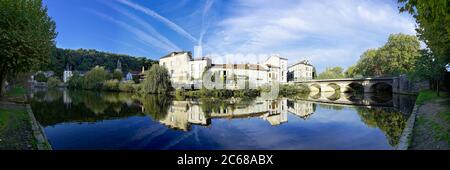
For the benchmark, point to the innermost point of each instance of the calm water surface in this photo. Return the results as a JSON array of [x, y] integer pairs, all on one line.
[[98, 120]]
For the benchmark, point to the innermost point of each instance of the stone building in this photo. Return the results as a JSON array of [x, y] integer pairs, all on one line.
[[300, 71], [188, 73]]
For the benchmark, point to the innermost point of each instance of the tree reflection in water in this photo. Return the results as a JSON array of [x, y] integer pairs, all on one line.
[[56, 106], [390, 121]]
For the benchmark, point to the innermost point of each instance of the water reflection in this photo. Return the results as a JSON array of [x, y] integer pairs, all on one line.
[[386, 114]]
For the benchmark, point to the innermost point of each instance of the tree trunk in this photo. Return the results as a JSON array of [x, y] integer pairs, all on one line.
[[437, 87], [1, 84]]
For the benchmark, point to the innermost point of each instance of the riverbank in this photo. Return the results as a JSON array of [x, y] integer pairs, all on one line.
[[432, 126], [19, 129]]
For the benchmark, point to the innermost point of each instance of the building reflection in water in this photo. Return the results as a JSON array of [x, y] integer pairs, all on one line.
[[182, 114]]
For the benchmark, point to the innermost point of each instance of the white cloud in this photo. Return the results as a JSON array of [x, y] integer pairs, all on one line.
[[160, 18], [145, 25], [329, 33], [141, 35]]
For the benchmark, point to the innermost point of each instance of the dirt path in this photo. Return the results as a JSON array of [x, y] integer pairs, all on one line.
[[432, 127]]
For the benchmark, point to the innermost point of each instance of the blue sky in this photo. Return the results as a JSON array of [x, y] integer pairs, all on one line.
[[327, 33]]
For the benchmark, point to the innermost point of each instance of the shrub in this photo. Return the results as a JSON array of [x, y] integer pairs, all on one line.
[[127, 86], [40, 77], [111, 85], [76, 82], [53, 82], [291, 90]]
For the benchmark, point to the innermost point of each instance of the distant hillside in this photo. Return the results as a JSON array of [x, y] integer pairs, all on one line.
[[84, 60]]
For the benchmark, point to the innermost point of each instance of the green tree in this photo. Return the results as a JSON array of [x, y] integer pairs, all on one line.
[[350, 72], [117, 74], [429, 67], [157, 80], [397, 56], [27, 37], [76, 81], [95, 77], [40, 77], [433, 24], [332, 73], [53, 82]]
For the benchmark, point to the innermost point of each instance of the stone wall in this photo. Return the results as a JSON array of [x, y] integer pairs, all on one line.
[[402, 84]]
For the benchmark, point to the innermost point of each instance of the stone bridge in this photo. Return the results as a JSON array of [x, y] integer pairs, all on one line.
[[350, 84]]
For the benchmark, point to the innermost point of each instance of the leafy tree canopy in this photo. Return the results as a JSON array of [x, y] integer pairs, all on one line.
[[332, 73], [27, 36], [397, 56]]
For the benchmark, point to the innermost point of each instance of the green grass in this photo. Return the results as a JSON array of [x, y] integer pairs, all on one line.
[[15, 129], [16, 92], [428, 95]]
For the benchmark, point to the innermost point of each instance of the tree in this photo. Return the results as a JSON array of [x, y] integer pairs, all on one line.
[[27, 37], [53, 82], [76, 81], [429, 67], [433, 24], [84, 60], [40, 77], [396, 57], [331, 73], [117, 74], [157, 80], [350, 72], [95, 77]]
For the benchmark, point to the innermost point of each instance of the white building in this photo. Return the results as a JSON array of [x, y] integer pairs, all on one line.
[[301, 71], [278, 68], [187, 72], [129, 76], [67, 74], [238, 76]]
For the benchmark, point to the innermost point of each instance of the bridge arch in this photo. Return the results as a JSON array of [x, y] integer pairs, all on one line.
[[331, 87], [315, 87], [354, 87], [381, 86]]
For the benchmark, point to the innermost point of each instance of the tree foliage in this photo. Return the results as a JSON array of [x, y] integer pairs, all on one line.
[[117, 74], [332, 73], [433, 24], [157, 80], [53, 82], [93, 80], [84, 60], [27, 36], [397, 56], [40, 77]]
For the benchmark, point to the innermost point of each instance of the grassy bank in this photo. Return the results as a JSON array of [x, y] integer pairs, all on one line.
[[429, 95], [15, 129], [432, 127]]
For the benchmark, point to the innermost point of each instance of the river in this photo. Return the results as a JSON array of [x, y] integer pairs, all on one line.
[[102, 120]]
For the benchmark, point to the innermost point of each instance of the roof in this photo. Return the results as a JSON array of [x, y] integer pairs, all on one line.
[[304, 62], [240, 66], [272, 66], [175, 53], [282, 58], [199, 59]]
